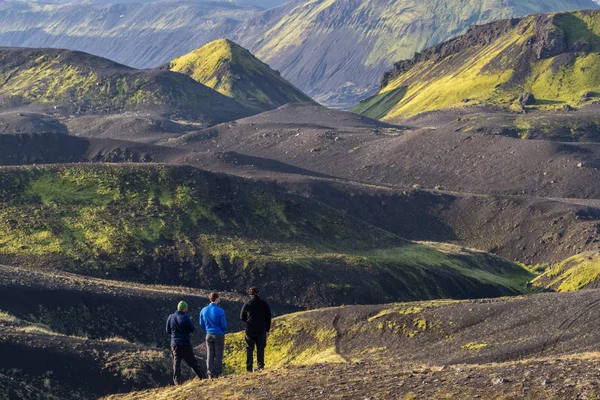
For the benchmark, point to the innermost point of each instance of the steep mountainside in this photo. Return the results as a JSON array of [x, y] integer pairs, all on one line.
[[80, 83], [257, 3], [138, 34], [336, 50], [235, 72], [180, 225], [544, 60]]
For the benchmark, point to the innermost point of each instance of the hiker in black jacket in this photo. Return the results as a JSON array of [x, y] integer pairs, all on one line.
[[257, 315], [179, 326]]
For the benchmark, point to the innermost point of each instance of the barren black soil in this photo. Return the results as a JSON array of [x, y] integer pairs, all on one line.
[[101, 309], [549, 379], [524, 199]]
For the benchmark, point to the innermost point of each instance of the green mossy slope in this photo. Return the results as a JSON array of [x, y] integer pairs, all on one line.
[[235, 72], [575, 273], [81, 83], [556, 57], [180, 225]]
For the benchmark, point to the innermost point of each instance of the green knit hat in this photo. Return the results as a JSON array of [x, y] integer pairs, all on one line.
[[182, 306]]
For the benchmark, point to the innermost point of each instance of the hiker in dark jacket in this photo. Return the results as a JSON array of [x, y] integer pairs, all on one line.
[[257, 315], [212, 320], [179, 326]]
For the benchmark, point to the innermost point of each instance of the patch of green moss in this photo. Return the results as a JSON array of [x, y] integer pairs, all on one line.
[[473, 346], [294, 340], [572, 274]]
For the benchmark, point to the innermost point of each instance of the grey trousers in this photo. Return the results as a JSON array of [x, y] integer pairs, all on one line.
[[215, 346]]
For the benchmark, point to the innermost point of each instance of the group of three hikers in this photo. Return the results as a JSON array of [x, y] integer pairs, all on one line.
[[256, 313]]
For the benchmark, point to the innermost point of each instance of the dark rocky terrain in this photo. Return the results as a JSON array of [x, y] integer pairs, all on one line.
[[418, 181]]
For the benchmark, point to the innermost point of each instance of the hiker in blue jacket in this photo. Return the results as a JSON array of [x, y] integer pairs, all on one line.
[[212, 320], [179, 326]]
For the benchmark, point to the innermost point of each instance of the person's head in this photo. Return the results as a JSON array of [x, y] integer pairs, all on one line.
[[253, 291], [214, 298], [182, 306]]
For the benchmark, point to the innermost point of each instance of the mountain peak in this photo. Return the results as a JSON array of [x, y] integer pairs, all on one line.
[[233, 71]]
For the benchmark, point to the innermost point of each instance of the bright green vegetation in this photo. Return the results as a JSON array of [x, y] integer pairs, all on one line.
[[295, 340], [82, 83], [473, 346], [235, 72], [181, 225], [496, 74], [574, 273]]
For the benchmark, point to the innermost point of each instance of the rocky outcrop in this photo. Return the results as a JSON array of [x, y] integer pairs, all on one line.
[[476, 36]]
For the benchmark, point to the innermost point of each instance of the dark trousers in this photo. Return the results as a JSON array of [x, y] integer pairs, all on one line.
[[215, 346], [185, 353], [260, 342]]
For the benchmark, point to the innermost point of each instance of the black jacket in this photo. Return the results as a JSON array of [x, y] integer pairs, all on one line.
[[179, 326], [257, 315]]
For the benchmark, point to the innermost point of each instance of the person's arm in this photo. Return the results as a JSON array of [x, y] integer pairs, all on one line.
[[169, 325], [244, 314], [223, 322], [190, 324], [268, 317], [202, 322]]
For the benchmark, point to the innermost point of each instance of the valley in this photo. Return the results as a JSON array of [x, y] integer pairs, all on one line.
[[441, 240]]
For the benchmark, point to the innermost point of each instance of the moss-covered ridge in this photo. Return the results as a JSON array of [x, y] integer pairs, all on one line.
[[581, 271], [553, 56], [180, 225], [233, 71], [82, 83]]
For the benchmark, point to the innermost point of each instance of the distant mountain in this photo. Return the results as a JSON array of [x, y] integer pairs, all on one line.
[[544, 61], [235, 72], [140, 34], [336, 50], [80, 83], [257, 3], [333, 50]]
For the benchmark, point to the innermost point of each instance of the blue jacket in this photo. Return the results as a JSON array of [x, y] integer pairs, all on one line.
[[212, 320], [179, 326]]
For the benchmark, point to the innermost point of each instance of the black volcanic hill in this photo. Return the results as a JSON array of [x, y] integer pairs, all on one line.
[[84, 84]]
